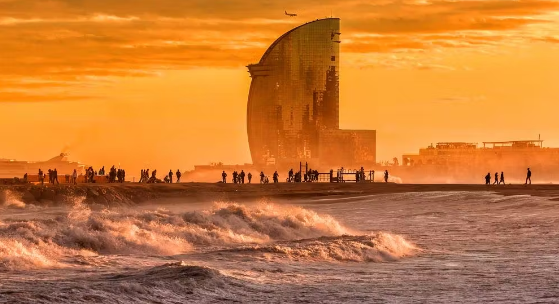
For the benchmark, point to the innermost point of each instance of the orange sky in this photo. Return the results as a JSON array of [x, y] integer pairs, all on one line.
[[163, 83]]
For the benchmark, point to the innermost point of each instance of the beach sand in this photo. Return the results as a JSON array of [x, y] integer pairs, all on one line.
[[133, 193]]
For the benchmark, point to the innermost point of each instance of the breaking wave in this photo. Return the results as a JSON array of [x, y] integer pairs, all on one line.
[[81, 232], [9, 199], [377, 247]]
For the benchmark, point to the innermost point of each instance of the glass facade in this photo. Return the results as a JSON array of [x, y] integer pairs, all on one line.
[[294, 94]]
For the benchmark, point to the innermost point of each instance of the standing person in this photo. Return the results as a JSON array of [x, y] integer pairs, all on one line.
[[224, 177], [496, 178], [242, 175], [528, 177], [290, 176], [235, 177], [502, 178], [55, 176], [386, 176], [41, 178], [261, 177], [276, 177], [141, 176], [170, 176], [249, 177], [179, 174], [75, 177], [488, 179]]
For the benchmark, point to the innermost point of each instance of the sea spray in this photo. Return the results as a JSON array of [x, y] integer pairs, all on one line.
[[10, 199], [83, 232]]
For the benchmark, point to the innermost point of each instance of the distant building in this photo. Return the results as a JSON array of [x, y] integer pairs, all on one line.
[[293, 104]]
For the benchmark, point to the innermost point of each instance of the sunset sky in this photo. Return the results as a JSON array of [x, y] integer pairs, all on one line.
[[164, 84]]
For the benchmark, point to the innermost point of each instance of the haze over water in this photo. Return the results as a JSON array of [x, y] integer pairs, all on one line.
[[436, 247]]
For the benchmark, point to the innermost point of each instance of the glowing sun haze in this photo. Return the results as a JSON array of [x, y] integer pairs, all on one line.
[[163, 83]]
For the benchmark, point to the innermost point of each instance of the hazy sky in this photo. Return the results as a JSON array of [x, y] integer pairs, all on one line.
[[163, 83]]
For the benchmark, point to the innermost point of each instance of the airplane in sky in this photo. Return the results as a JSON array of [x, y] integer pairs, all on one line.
[[290, 15]]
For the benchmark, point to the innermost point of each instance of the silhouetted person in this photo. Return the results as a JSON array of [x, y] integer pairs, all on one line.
[[235, 177], [261, 177], [249, 177], [179, 174], [41, 177], [496, 178], [224, 177], [386, 176], [528, 177], [170, 176], [488, 179], [502, 178], [75, 177], [276, 177], [242, 176], [291, 175], [55, 176]]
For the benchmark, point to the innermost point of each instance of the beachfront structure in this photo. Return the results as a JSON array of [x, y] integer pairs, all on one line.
[[10, 168], [293, 103], [470, 162]]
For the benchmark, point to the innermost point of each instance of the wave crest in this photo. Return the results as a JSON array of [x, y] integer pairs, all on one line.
[[379, 247], [83, 232]]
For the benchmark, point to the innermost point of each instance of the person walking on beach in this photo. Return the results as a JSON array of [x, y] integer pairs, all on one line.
[[528, 177], [502, 178], [496, 178], [224, 177], [488, 179], [386, 176], [290, 176], [170, 176], [75, 177], [242, 176], [261, 177], [249, 177], [179, 174], [276, 177]]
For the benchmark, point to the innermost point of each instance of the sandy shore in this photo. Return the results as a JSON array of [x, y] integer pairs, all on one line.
[[131, 194]]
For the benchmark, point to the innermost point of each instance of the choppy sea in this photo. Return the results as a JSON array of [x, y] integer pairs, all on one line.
[[436, 247]]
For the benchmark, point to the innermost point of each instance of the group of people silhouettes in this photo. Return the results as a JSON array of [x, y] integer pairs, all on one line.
[[292, 177], [53, 176], [497, 180], [501, 180], [237, 178], [146, 178]]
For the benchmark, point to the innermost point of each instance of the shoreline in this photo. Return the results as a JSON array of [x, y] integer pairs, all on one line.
[[126, 194]]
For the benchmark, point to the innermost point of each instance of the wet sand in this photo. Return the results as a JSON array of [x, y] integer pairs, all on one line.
[[134, 193]]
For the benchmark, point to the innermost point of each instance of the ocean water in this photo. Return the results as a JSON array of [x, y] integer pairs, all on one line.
[[437, 247]]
